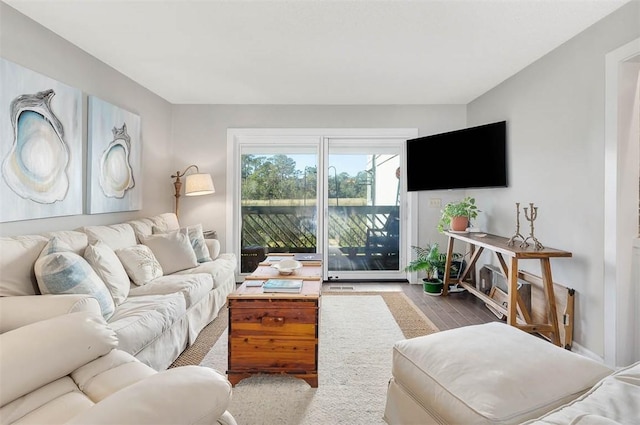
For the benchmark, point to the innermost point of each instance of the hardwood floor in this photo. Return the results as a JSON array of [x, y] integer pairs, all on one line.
[[453, 311]]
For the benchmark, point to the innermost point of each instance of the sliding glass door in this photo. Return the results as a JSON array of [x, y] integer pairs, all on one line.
[[279, 202], [364, 198], [339, 196]]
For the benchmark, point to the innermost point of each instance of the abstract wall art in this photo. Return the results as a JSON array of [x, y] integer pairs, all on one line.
[[114, 159], [40, 145]]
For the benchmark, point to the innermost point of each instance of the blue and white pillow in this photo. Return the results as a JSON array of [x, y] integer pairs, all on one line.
[[196, 238], [61, 271]]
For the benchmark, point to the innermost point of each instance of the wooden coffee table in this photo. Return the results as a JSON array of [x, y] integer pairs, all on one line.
[[275, 333]]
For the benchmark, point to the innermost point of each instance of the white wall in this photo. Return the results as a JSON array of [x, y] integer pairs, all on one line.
[[555, 119], [555, 114], [200, 134], [30, 45]]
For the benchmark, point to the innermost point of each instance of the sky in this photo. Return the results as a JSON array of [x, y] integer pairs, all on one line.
[[351, 164]]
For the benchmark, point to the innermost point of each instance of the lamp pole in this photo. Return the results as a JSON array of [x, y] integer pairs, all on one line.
[[178, 183]]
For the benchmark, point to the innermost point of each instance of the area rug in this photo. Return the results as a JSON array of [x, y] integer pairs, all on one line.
[[411, 320], [357, 333]]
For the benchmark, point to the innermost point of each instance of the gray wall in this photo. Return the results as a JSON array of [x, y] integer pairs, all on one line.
[[555, 113], [200, 134], [28, 44]]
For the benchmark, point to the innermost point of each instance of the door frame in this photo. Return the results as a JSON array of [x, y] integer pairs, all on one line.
[[619, 320], [236, 137]]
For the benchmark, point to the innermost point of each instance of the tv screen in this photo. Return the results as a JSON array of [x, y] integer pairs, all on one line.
[[472, 157]]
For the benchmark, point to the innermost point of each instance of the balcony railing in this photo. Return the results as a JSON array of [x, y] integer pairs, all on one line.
[[367, 233]]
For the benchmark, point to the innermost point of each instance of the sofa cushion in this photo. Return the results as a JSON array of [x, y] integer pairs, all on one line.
[[170, 221], [54, 403], [76, 241], [142, 319], [196, 238], [193, 287], [213, 245], [221, 267], [31, 354], [17, 256], [144, 226], [60, 271], [140, 263], [172, 250], [117, 236], [513, 376], [110, 373], [181, 395], [107, 265], [615, 399]]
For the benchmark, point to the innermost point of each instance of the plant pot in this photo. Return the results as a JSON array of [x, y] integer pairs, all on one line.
[[432, 286], [459, 224]]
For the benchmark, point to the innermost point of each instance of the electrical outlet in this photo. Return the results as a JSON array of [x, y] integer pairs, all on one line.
[[435, 203]]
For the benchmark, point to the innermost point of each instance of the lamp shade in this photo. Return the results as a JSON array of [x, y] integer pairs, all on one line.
[[198, 184]]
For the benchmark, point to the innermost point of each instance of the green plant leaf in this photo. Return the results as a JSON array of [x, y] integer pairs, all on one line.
[[464, 208]]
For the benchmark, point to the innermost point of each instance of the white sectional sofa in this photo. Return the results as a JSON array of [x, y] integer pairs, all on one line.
[[154, 321], [497, 374], [67, 370]]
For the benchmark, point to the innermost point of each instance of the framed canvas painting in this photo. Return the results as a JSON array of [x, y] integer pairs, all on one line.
[[40, 145], [114, 159]]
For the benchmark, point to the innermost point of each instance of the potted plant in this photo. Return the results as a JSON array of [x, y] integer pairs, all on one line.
[[430, 260], [456, 216]]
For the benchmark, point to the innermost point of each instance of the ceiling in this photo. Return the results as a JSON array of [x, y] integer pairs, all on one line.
[[317, 51]]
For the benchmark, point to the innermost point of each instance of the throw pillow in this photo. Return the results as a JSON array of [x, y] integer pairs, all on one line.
[[59, 270], [196, 238], [173, 250], [106, 264], [140, 263]]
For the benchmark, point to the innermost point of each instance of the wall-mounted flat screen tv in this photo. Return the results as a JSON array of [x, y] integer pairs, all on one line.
[[474, 157]]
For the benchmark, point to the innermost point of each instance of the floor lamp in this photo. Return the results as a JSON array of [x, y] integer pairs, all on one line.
[[196, 184]]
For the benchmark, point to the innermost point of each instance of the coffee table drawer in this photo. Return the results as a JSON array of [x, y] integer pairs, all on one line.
[[299, 307], [272, 354], [274, 326], [271, 316]]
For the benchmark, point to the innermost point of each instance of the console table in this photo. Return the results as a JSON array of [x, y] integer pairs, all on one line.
[[517, 313]]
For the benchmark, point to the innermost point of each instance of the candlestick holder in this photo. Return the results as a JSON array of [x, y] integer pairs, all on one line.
[[531, 218], [517, 235]]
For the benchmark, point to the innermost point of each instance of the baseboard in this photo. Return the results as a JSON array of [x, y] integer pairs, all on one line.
[[579, 349]]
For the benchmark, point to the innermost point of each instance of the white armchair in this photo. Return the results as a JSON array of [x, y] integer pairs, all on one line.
[[67, 370]]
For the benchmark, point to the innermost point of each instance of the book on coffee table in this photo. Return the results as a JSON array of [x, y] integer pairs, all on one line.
[[276, 258], [282, 285], [308, 256]]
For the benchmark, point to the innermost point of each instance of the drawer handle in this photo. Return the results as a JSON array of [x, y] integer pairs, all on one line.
[[273, 321]]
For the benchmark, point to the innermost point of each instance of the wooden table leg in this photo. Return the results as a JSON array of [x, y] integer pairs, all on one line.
[[512, 284], [447, 267], [552, 315], [503, 265], [472, 251], [522, 309], [471, 265], [311, 380]]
